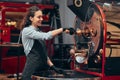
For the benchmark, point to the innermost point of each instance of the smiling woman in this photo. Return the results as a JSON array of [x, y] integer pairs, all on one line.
[[34, 44]]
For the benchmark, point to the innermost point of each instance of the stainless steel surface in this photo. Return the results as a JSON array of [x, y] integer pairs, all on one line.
[[72, 75]]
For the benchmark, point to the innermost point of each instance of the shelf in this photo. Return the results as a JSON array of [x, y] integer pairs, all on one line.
[[14, 34]]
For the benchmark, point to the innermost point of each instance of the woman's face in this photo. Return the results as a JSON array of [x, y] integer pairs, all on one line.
[[37, 19]]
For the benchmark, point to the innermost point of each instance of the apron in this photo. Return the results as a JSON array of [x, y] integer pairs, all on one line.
[[36, 60]]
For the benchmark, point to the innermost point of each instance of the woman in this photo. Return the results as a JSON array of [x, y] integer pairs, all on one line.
[[33, 43]]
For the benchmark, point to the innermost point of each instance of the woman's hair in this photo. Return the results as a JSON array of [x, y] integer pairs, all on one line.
[[30, 13]]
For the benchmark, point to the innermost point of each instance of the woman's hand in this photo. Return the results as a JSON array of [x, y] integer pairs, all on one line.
[[70, 31]]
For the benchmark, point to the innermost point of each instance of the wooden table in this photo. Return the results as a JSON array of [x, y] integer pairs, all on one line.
[[15, 45]]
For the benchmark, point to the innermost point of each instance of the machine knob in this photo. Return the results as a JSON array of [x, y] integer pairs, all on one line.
[[87, 32], [99, 56]]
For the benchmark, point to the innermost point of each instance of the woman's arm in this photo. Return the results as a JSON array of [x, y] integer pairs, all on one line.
[[56, 32]]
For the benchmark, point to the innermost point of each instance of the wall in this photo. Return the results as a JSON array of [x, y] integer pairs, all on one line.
[[67, 19], [114, 16]]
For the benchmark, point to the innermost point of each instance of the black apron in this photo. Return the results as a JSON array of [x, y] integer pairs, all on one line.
[[36, 60]]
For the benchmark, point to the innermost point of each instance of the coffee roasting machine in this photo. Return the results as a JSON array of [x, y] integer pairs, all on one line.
[[91, 41]]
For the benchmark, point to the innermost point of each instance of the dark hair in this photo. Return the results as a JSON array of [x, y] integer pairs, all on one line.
[[30, 13]]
